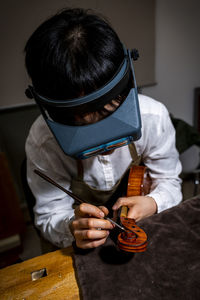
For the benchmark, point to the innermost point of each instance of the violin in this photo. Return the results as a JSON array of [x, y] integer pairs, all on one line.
[[134, 239]]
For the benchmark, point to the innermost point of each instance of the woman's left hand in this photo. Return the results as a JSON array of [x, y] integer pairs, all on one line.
[[140, 207]]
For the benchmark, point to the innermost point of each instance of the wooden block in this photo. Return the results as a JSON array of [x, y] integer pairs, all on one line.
[[58, 284]]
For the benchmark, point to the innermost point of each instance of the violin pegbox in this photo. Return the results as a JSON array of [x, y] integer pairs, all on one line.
[[134, 239]]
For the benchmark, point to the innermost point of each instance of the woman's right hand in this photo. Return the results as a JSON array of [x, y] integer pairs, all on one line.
[[89, 228]]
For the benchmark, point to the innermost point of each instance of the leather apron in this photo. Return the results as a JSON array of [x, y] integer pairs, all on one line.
[[102, 197]]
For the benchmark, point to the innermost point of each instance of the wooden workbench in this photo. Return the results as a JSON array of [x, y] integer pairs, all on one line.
[[58, 283]]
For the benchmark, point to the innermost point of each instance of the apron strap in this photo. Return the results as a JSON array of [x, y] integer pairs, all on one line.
[[136, 159], [79, 169]]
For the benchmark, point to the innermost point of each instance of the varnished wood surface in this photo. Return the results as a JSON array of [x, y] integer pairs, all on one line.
[[135, 181], [59, 284]]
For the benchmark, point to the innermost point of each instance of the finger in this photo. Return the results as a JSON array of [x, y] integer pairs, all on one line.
[[86, 209], [133, 214], [85, 223], [104, 209], [123, 201], [90, 234], [87, 244]]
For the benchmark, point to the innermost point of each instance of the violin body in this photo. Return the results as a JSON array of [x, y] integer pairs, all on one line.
[[134, 239]]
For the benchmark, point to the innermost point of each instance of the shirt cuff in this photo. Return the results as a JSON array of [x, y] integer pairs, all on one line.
[[69, 238], [158, 200]]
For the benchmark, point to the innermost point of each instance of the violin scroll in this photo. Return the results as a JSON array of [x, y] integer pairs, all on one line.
[[134, 239]]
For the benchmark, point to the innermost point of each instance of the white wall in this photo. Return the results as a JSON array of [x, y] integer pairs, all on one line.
[[177, 56], [177, 59]]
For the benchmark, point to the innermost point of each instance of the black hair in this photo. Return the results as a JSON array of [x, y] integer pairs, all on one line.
[[72, 53]]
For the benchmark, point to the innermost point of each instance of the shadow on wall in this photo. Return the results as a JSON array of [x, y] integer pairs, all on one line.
[[15, 123], [187, 143]]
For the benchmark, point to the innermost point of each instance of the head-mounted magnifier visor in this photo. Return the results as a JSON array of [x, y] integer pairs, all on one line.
[[116, 130]]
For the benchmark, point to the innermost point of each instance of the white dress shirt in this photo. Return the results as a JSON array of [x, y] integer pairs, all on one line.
[[53, 208]]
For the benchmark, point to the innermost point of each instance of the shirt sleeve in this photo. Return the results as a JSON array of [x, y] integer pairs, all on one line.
[[162, 160], [53, 210]]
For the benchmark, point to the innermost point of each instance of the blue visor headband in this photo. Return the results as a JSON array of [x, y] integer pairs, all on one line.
[[96, 99], [118, 129]]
